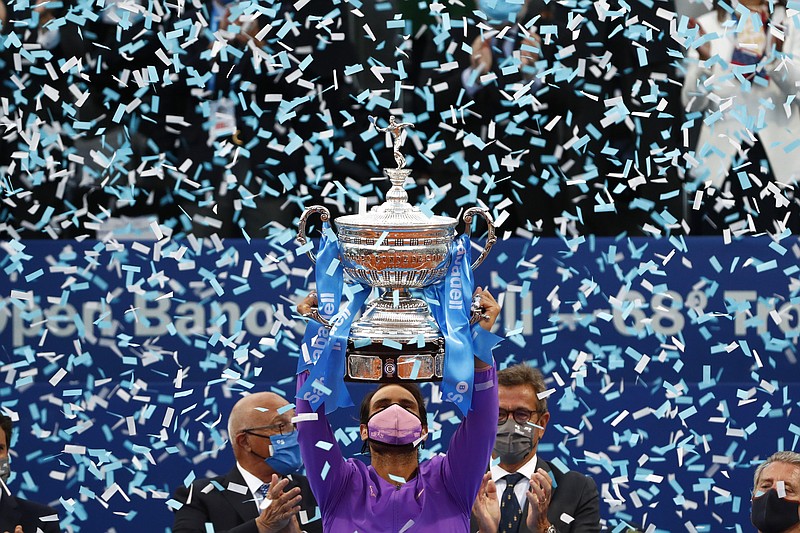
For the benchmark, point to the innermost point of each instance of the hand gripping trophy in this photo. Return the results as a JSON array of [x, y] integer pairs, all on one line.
[[396, 248]]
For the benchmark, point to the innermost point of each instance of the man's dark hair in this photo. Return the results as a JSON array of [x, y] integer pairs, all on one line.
[[413, 388], [523, 374], [6, 425]]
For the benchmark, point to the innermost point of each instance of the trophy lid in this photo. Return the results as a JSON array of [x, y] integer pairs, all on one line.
[[396, 210]]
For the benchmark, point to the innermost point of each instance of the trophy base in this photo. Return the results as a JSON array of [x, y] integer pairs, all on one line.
[[377, 363], [396, 341]]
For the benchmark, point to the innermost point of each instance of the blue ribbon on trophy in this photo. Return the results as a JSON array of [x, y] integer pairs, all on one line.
[[329, 293], [451, 305], [397, 249], [323, 348]]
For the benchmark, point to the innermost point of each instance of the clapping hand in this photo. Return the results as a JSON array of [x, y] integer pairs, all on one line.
[[486, 509], [539, 495], [481, 54], [280, 513]]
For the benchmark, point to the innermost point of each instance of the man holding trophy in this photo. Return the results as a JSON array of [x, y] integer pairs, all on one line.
[[397, 492], [397, 342]]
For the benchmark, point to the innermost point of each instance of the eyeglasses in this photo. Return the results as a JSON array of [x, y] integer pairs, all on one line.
[[283, 429], [521, 416]]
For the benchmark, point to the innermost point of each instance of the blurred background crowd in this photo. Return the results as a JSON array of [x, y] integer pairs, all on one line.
[[563, 117]]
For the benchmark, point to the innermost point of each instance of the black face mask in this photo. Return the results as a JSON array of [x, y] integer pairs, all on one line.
[[771, 514]]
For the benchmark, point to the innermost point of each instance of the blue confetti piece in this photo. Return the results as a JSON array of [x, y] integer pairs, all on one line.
[[332, 267], [360, 343], [416, 368], [420, 340], [389, 343], [792, 146], [288, 407], [767, 265], [318, 386]]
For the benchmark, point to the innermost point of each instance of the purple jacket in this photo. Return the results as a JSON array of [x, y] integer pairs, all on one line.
[[353, 497]]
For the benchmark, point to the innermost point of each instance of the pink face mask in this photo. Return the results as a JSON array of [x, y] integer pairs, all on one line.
[[394, 425]]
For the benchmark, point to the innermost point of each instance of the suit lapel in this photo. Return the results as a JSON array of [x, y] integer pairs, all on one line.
[[10, 513], [544, 465], [242, 503]]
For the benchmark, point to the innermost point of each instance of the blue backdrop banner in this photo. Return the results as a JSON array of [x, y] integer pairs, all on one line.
[[671, 366]]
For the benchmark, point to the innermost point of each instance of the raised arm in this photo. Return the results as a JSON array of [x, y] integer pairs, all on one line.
[[471, 446], [326, 469], [490, 310]]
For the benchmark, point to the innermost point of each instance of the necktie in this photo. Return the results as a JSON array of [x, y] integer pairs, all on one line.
[[510, 511], [261, 493]]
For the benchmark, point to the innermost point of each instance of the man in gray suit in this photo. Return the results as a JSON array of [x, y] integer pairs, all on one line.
[[525, 493]]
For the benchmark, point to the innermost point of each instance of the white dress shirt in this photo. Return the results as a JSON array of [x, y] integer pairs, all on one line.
[[253, 484], [527, 470]]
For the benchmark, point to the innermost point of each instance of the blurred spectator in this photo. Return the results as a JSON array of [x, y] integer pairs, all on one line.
[[213, 117], [609, 72], [507, 115], [18, 515], [641, 160], [742, 74], [262, 114], [18, 33], [77, 131], [43, 172], [6, 87], [586, 142]]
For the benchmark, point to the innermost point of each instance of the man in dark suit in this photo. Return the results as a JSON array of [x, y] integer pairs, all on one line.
[[260, 494], [16, 514], [534, 495]]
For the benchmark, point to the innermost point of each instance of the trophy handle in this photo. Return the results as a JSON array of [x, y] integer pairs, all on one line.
[[315, 316], [325, 215], [468, 214]]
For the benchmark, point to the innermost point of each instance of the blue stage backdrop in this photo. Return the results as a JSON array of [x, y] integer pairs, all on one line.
[[671, 365]]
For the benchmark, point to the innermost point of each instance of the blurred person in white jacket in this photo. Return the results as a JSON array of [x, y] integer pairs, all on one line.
[[742, 74]]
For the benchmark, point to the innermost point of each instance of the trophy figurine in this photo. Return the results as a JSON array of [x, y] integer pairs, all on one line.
[[396, 248]]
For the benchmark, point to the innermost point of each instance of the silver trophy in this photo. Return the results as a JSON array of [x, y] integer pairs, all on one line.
[[396, 247]]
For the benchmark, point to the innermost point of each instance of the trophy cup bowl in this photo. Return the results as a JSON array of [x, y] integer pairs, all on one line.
[[395, 247]]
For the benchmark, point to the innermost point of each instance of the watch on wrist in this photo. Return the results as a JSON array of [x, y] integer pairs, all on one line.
[[551, 529]]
